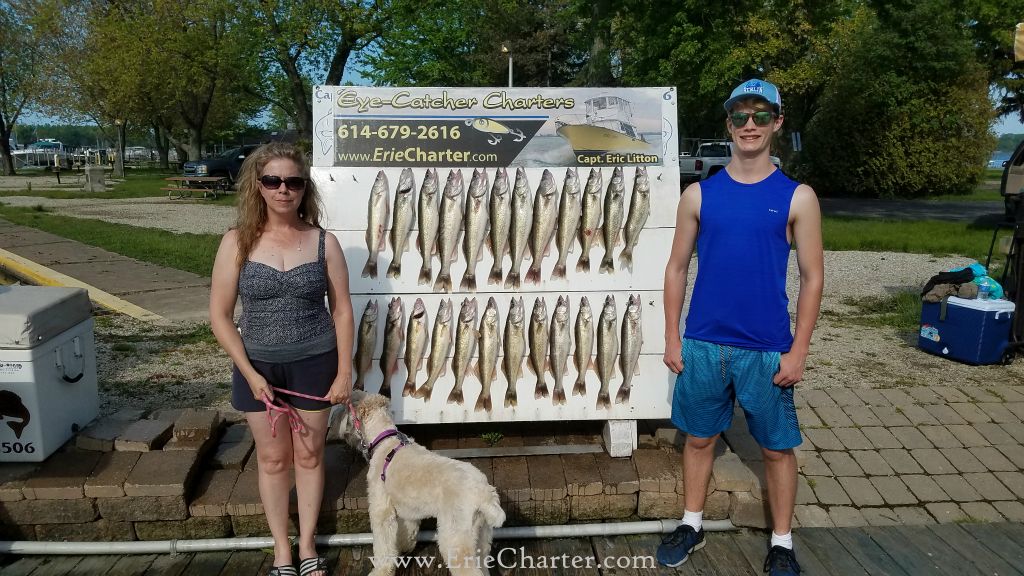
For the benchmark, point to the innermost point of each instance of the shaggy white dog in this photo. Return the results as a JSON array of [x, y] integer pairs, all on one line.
[[408, 483]]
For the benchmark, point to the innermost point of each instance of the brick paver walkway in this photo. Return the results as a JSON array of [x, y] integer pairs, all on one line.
[[911, 455], [871, 458]]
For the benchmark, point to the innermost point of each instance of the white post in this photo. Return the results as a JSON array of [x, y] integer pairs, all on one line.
[[620, 438]]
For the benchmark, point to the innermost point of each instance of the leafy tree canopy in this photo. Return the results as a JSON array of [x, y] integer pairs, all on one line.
[[459, 43], [1008, 142], [906, 112]]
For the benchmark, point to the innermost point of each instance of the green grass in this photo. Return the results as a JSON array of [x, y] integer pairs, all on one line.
[[137, 184], [901, 310], [916, 237], [986, 191], [189, 252], [492, 438]]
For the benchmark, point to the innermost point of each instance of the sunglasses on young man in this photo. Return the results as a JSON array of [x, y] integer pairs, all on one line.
[[293, 183], [761, 118]]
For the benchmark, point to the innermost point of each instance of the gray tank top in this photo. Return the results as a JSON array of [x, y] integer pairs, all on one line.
[[284, 313]]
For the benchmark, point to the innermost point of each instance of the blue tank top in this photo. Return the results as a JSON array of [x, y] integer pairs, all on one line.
[[739, 297]]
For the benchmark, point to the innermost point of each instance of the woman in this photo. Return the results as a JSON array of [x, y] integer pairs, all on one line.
[[282, 262]]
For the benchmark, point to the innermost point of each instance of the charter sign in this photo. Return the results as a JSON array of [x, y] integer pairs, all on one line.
[[493, 127], [506, 246]]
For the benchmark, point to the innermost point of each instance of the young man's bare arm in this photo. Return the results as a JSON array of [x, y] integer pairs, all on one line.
[[806, 225], [687, 225]]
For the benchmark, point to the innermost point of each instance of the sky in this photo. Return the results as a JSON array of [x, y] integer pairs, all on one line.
[[1009, 125]]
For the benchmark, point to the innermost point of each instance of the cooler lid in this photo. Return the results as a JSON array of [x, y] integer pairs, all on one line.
[[985, 305], [31, 315]]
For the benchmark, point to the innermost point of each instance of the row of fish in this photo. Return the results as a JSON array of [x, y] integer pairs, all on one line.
[[508, 220], [544, 342]]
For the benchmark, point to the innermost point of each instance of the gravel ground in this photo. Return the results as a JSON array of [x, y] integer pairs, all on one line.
[[147, 367], [193, 216]]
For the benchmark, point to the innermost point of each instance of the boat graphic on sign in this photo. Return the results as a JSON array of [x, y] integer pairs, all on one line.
[[607, 126]]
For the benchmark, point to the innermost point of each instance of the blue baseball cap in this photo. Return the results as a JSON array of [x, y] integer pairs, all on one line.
[[755, 88]]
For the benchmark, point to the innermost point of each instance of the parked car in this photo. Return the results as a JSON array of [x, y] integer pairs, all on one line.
[[709, 158], [227, 164]]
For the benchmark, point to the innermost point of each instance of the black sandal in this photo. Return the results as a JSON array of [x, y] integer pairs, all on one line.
[[287, 570], [311, 565]]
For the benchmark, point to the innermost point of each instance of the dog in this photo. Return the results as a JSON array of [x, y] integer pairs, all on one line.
[[407, 483]]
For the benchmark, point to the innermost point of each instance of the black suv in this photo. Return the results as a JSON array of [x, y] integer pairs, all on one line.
[[227, 164]]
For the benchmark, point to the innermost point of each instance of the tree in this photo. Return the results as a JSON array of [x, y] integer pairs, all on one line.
[[684, 44], [795, 44], [906, 111], [991, 24], [208, 60], [459, 43], [303, 40], [1008, 142], [20, 77], [177, 68]]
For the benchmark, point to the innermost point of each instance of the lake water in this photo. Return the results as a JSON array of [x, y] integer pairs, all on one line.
[[997, 160]]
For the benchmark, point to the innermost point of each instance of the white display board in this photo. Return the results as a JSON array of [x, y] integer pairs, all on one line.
[[362, 131]]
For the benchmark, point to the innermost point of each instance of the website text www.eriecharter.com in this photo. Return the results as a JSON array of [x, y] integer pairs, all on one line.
[[417, 154], [518, 558]]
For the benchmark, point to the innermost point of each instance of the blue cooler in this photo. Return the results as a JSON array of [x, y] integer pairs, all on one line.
[[972, 331]]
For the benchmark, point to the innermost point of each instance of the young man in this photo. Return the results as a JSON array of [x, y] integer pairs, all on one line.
[[737, 344]]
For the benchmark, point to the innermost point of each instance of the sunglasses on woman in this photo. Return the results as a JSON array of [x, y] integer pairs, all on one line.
[[761, 118], [293, 183]]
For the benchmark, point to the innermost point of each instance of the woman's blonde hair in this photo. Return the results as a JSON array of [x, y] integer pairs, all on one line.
[[252, 210]]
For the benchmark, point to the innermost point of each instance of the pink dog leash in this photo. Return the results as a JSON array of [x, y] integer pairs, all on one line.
[[275, 411]]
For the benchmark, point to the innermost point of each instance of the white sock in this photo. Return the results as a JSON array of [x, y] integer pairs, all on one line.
[[784, 540], [693, 519]]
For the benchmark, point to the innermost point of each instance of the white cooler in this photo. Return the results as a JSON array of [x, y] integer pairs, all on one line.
[[47, 369]]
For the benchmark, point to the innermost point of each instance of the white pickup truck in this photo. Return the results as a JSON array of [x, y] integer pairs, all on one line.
[[707, 159]]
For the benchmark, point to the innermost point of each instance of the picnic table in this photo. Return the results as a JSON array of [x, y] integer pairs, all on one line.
[[184, 186]]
